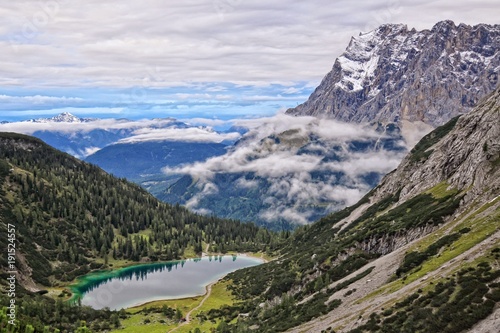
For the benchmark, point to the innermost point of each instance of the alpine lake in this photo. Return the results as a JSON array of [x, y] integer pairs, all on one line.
[[143, 283]]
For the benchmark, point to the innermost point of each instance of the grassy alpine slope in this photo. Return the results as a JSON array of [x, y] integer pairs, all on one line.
[[421, 245]]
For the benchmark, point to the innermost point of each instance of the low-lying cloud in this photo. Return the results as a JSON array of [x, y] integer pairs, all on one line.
[[28, 127], [141, 130], [78, 139], [303, 162], [191, 134]]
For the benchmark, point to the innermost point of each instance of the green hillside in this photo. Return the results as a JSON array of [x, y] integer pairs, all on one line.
[[419, 253], [72, 218]]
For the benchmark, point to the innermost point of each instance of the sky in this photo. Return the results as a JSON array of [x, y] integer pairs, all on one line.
[[216, 59]]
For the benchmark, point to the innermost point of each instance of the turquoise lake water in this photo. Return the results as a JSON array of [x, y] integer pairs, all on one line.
[[151, 282]]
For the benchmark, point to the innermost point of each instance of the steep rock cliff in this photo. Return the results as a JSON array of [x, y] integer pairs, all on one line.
[[467, 156], [394, 74]]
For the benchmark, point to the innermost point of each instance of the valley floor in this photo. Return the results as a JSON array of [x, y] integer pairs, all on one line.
[[149, 316]]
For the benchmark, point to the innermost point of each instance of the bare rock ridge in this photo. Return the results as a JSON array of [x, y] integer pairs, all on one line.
[[464, 153], [393, 74], [466, 157]]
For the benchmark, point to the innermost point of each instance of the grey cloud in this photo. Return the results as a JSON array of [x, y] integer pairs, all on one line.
[[115, 43]]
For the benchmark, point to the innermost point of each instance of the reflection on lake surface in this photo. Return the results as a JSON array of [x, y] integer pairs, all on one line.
[[149, 282]]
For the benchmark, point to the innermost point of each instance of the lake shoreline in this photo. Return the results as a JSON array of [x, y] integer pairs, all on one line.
[[204, 255], [79, 288], [180, 298]]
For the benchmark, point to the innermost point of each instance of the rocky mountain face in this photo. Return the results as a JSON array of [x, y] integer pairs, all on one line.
[[410, 81], [394, 74], [459, 160], [464, 157], [419, 253]]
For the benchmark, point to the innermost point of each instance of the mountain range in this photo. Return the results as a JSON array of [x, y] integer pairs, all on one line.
[[142, 162], [396, 83], [82, 137], [419, 253], [64, 117], [73, 209], [136, 150], [71, 218], [293, 174]]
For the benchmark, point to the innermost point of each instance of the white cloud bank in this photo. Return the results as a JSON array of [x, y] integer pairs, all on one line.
[[29, 128], [141, 130], [38, 99], [191, 134]]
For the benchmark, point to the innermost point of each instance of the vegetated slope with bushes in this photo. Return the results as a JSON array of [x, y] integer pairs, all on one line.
[[72, 217], [418, 253]]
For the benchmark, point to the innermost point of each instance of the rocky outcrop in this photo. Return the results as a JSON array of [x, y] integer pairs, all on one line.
[[467, 158], [386, 243], [393, 74]]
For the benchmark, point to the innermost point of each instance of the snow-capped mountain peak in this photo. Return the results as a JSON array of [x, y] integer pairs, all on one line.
[[388, 75], [64, 117], [361, 58]]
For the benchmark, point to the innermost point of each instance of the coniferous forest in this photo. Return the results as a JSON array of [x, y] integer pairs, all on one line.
[[73, 218]]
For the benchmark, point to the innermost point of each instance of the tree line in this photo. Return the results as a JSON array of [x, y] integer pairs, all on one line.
[[76, 213]]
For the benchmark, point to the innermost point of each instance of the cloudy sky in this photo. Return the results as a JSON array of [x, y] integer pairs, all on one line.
[[191, 58]]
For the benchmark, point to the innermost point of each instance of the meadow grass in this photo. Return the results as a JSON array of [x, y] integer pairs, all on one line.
[[135, 323]]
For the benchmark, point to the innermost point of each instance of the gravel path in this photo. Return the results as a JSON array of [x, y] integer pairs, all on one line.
[[188, 315]]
